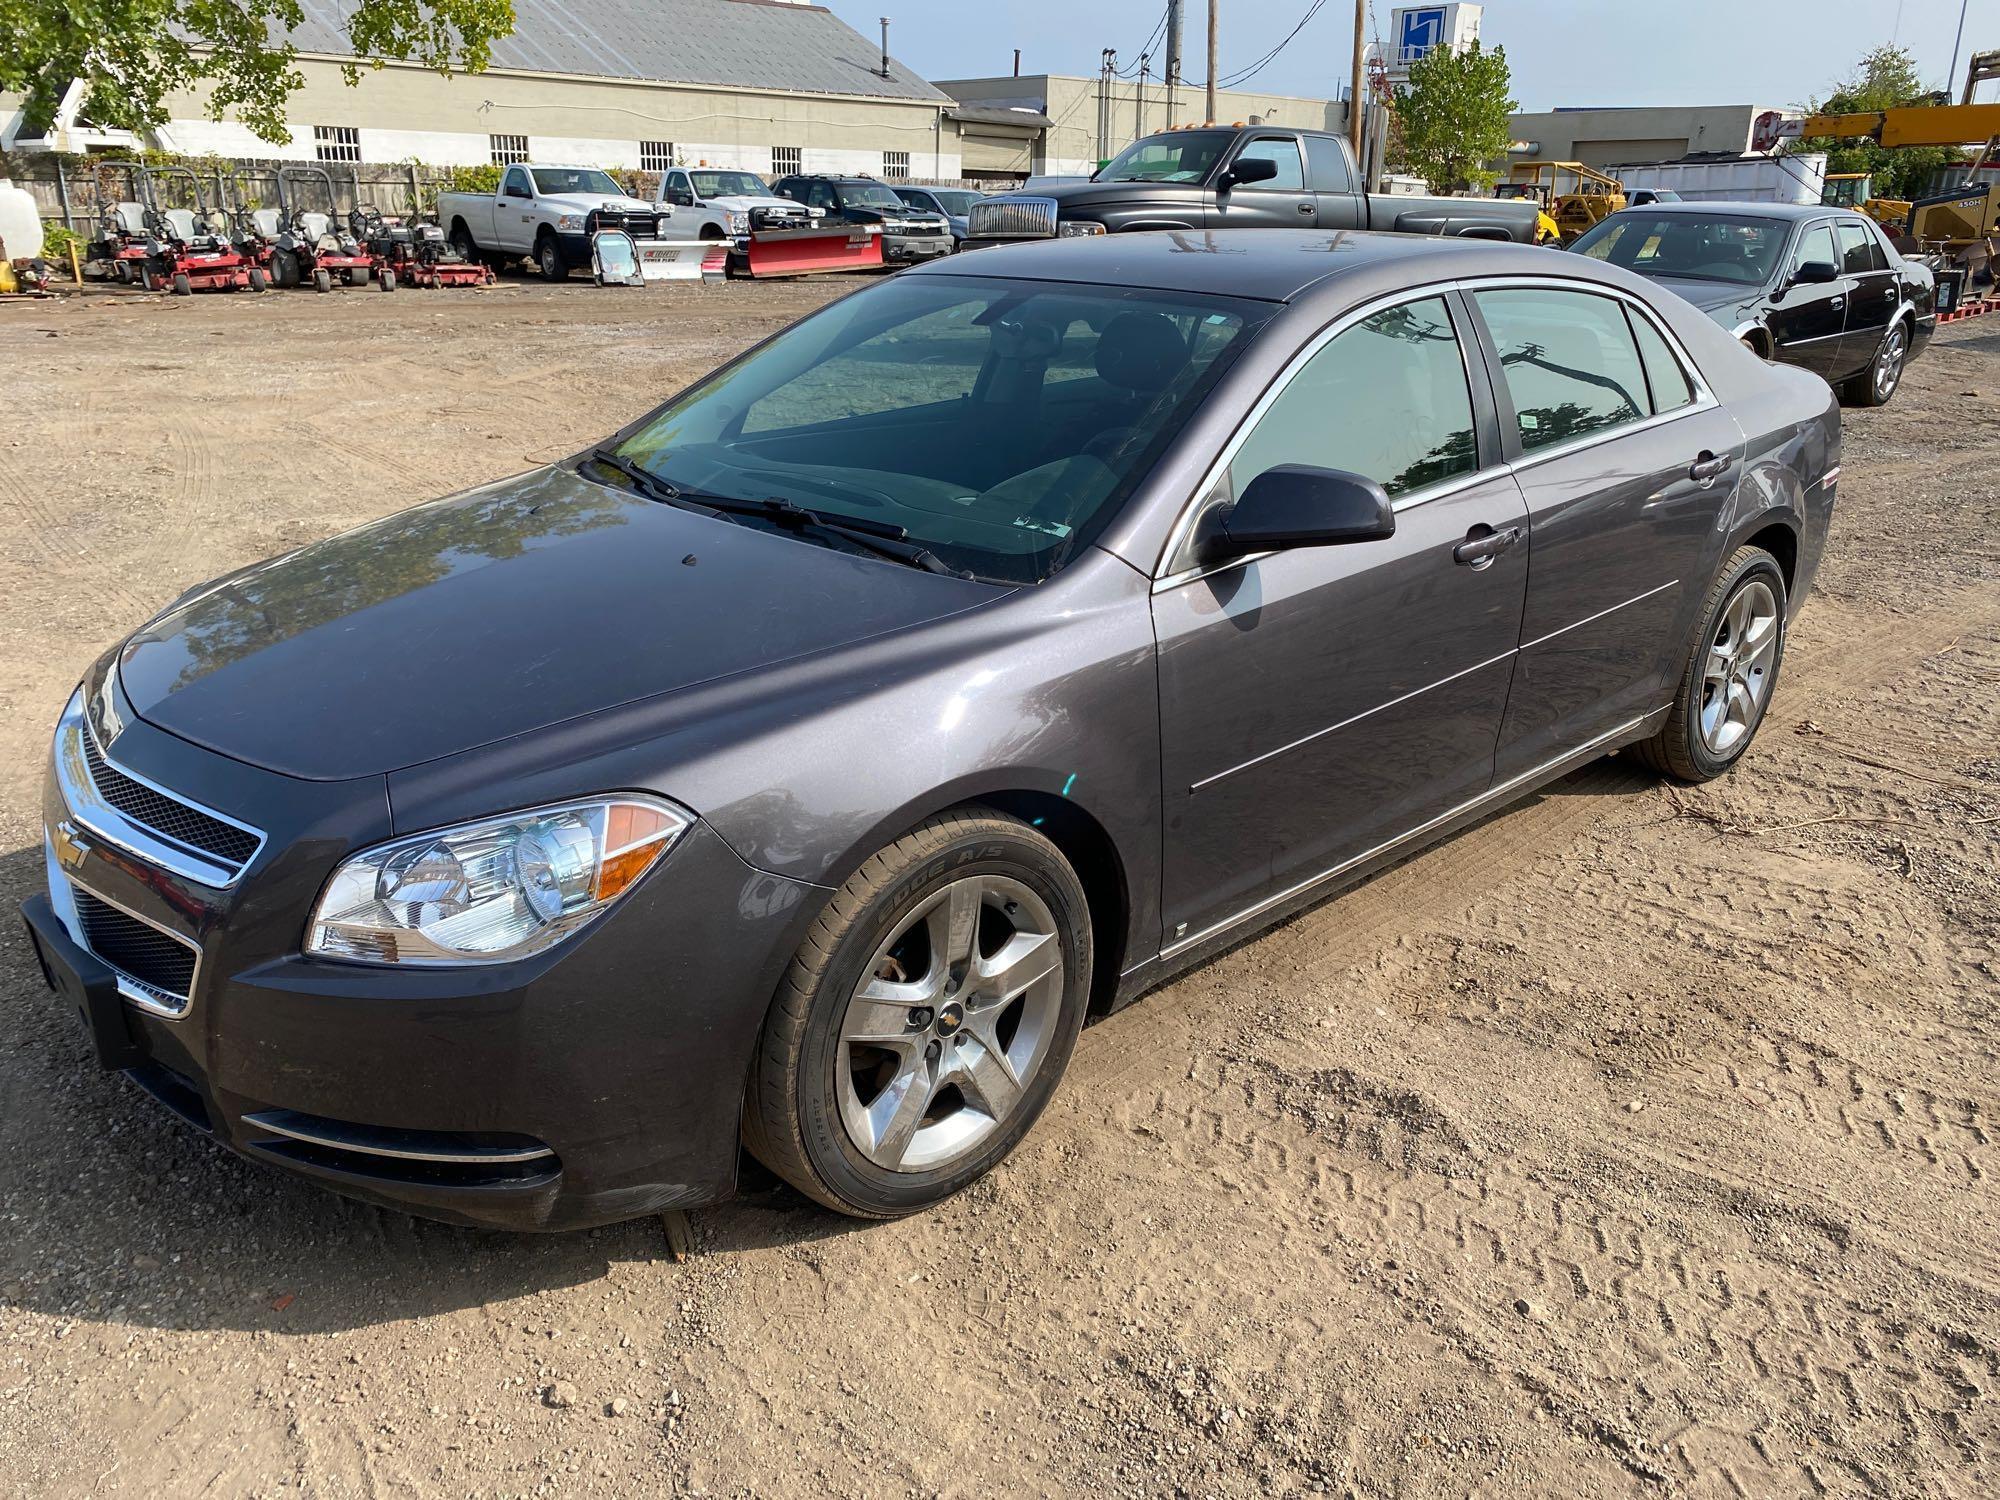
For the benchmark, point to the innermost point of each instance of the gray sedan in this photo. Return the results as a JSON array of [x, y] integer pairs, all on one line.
[[800, 767]]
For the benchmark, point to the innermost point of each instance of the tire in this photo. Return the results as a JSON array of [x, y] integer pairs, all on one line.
[[461, 243], [838, 1073], [386, 281], [1710, 726], [258, 280], [549, 259], [285, 268], [360, 276], [121, 272], [322, 281], [1875, 385], [181, 285]]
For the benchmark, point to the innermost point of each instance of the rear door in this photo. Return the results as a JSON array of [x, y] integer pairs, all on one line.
[[1809, 319], [1319, 702], [1281, 202], [1625, 461], [1871, 305]]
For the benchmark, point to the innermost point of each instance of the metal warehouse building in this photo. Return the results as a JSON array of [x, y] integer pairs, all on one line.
[[769, 85]]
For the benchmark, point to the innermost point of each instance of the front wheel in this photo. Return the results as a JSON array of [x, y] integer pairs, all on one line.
[[181, 285], [1731, 670], [549, 257], [1876, 384], [258, 281], [926, 1020], [387, 280]]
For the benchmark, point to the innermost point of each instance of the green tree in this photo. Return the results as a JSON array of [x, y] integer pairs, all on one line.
[[1886, 78], [131, 54], [1454, 116]]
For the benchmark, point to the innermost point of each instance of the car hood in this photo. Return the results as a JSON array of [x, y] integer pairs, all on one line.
[[740, 205], [1072, 197], [585, 202], [503, 610], [918, 220], [1712, 297]]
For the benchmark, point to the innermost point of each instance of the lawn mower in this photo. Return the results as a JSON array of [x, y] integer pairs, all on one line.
[[415, 253], [185, 251], [120, 244], [310, 245]]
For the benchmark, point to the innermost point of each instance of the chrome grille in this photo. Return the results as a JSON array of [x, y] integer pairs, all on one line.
[[161, 965], [1012, 218], [167, 816]]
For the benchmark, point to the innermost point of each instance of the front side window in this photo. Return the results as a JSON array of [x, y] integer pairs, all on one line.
[[515, 184], [1816, 244], [1696, 248], [1386, 399], [575, 180], [1000, 424], [1569, 359], [1859, 254], [1284, 150], [1184, 156]]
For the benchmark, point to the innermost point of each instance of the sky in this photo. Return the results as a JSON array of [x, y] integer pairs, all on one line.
[[1562, 52]]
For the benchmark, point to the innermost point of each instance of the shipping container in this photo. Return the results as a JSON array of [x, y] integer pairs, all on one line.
[[1737, 179]]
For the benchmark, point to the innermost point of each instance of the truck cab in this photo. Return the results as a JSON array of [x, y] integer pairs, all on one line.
[[544, 212]]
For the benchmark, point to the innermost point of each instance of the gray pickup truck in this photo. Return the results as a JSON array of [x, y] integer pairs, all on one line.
[[1261, 176]]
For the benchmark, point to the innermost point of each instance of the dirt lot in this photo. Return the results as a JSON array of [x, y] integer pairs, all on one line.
[[1634, 1142]]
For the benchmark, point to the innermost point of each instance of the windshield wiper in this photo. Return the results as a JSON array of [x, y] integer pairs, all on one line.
[[883, 538]]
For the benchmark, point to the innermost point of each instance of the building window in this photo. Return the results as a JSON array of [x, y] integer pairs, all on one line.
[[896, 166], [507, 149], [655, 156], [337, 142], [786, 160]]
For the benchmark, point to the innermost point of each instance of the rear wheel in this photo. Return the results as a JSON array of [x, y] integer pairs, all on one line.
[[285, 268], [1876, 384], [926, 1020], [360, 276], [1731, 670]]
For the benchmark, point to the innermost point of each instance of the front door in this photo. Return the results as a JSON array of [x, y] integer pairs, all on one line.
[[1625, 464], [1280, 202], [1320, 701], [1808, 318], [1871, 305]]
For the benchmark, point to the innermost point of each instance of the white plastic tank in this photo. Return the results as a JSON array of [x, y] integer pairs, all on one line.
[[20, 221]]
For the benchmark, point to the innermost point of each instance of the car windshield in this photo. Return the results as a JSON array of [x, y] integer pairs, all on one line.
[[1698, 247], [869, 195], [999, 424], [954, 200], [1184, 156], [730, 185], [575, 180]]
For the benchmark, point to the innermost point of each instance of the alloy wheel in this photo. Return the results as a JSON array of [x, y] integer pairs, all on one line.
[[1736, 671], [950, 1024], [1889, 364]]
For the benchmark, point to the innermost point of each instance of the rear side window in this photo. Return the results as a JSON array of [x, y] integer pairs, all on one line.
[[1326, 167], [1285, 152], [1859, 253], [1665, 377], [1570, 362], [1387, 399], [1816, 244]]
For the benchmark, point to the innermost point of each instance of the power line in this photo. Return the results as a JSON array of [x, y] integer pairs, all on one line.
[[1251, 70], [1146, 47]]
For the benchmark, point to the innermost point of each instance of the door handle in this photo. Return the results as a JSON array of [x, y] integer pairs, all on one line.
[[1709, 467], [1841, 300], [1305, 208], [1482, 544]]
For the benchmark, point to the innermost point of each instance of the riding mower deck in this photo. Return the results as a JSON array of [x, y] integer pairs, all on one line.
[[416, 254]]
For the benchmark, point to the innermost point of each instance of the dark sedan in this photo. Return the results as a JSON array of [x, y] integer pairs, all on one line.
[[802, 765], [1807, 285]]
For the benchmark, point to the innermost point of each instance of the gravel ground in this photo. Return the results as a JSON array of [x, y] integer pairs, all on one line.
[[1635, 1141]]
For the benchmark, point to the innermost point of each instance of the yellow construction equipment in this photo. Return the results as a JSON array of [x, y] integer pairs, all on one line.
[[1573, 197], [1857, 190]]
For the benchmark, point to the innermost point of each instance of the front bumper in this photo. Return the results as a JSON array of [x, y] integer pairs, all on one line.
[[915, 247], [599, 1081]]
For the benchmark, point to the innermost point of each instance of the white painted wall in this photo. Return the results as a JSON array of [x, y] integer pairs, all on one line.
[[583, 151]]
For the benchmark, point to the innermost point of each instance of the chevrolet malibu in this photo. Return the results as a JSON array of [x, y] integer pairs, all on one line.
[[800, 767]]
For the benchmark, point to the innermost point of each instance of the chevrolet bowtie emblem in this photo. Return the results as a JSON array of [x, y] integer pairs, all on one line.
[[69, 846]]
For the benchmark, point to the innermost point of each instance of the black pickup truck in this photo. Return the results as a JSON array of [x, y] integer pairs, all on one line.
[[1261, 176]]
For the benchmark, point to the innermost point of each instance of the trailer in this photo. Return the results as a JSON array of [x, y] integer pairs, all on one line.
[[1733, 179]]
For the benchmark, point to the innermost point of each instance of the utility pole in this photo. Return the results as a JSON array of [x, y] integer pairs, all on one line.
[[1174, 8], [1354, 95], [1211, 59], [1139, 112]]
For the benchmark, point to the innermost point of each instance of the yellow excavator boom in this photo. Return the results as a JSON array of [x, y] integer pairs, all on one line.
[[1922, 125]]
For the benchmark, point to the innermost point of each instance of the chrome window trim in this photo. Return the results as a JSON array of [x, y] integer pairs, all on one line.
[[1704, 400], [269, 1120], [90, 811], [159, 1002], [1492, 794]]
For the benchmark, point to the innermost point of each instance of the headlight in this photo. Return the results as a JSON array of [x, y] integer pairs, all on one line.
[[491, 891], [739, 223], [569, 221], [1070, 228]]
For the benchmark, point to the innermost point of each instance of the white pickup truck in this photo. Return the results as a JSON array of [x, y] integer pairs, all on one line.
[[721, 205], [546, 214]]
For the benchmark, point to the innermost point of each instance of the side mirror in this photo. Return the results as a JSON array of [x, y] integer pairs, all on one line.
[[1248, 169], [1815, 273], [1298, 505]]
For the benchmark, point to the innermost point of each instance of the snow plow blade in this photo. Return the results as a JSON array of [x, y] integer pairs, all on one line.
[[808, 252]]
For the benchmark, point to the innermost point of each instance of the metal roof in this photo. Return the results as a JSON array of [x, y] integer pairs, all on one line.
[[769, 45]]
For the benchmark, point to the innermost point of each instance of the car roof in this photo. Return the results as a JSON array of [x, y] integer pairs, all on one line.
[[1790, 212], [1269, 265]]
